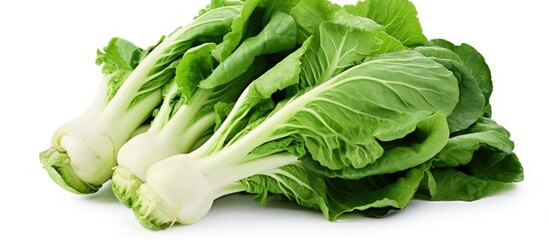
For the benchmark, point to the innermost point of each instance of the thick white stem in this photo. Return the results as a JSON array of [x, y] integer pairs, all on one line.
[[234, 154], [189, 138], [91, 113], [177, 136], [144, 150], [230, 189], [137, 78], [93, 146], [178, 125], [218, 135], [165, 110]]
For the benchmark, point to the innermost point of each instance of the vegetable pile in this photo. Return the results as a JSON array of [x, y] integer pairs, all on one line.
[[337, 108]]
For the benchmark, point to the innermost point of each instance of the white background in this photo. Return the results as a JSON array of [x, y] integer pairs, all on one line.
[[49, 76]]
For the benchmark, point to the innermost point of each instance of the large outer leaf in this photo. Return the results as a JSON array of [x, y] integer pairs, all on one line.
[[345, 121], [399, 17], [471, 101]]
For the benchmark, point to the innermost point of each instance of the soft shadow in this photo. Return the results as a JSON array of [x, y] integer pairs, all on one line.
[[104, 195], [242, 201]]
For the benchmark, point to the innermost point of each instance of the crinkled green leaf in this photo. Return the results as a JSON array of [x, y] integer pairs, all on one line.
[[474, 164], [282, 75], [196, 65], [399, 17], [417, 147], [384, 43], [118, 55], [375, 196], [335, 48], [232, 39], [292, 182], [309, 14], [388, 95], [119, 58], [451, 184], [220, 3], [490, 165], [485, 133]]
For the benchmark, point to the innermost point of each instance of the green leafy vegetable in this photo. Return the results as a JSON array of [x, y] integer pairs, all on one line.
[[336, 108]]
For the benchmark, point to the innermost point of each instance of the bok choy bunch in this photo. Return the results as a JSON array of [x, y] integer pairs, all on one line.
[[336, 108]]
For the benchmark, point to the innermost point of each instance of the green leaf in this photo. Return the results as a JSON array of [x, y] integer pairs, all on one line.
[[471, 101], [497, 167], [485, 133], [160, 68], [438, 53], [220, 3], [375, 196], [388, 95], [474, 62], [336, 48], [232, 39], [474, 164], [195, 65], [399, 17], [278, 35], [415, 148], [309, 14], [384, 43], [285, 6], [119, 54], [453, 184], [282, 75], [119, 58]]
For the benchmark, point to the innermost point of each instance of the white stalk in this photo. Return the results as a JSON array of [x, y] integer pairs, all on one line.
[[92, 147], [166, 139], [183, 191]]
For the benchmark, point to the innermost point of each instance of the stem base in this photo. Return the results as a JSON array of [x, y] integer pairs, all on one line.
[[58, 166]]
